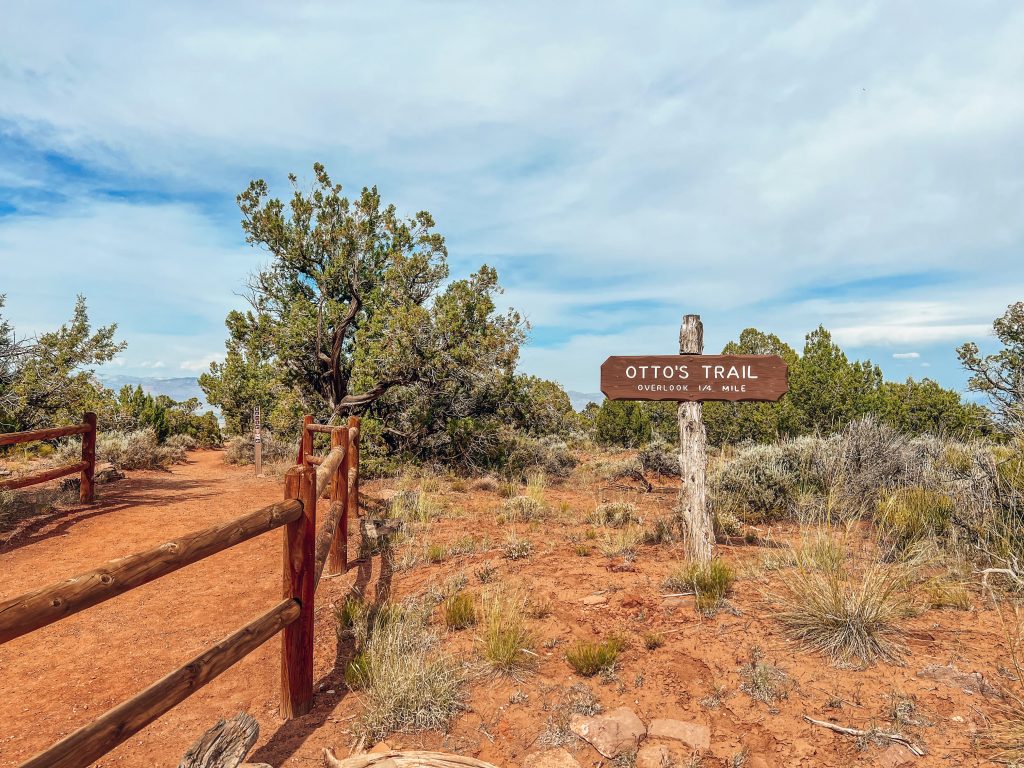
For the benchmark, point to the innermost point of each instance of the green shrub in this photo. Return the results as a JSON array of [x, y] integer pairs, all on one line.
[[588, 658], [709, 582], [655, 457], [241, 449], [127, 450], [516, 547]]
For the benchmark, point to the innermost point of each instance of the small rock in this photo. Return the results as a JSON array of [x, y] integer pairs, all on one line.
[[696, 735], [971, 682], [551, 758], [381, 748], [652, 756], [595, 600], [895, 756], [613, 733]]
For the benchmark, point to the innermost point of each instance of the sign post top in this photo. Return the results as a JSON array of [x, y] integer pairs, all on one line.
[[694, 377]]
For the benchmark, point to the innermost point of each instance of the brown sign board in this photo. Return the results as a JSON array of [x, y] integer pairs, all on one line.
[[694, 377]]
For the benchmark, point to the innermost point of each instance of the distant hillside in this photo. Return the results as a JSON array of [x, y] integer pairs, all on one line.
[[579, 400], [180, 388]]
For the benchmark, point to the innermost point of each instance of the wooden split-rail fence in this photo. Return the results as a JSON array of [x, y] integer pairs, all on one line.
[[86, 468], [306, 552]]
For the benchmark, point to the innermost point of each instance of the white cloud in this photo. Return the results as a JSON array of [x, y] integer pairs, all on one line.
[[610, 160], [202, 364], [906, 355]]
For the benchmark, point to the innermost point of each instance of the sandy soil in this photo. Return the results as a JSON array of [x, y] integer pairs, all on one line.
[[60, 677]]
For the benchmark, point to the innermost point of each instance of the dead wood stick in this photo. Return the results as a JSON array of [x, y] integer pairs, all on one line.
[[225, 745], [404, 760], [858, 732]]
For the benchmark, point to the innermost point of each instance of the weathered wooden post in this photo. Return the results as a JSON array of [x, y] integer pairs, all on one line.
[[86, 484], [691, 378], [337, 560], [300, 585], [694, 513], [353, 466], [257, 441], [305, 440]]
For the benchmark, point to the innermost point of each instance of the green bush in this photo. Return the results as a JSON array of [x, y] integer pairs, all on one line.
[[588, 658], [709, 582]]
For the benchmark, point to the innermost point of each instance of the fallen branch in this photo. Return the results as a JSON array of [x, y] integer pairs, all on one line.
[[225, 745], [871, 734], [404, 760]]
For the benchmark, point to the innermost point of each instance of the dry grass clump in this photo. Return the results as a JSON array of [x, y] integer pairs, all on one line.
[[412, 506], [846, 617], [407, 684], [709, 582], [623, 542], [590, 657], [486, 483], [521, 509], [615, 514], [516, 547], [504, 637], [947, 592], [906, 516], [459, 611], [762, 681], [653, 640]]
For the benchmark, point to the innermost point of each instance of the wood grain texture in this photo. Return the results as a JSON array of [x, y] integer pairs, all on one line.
[[13, 438], [694, 513], [41, 477], [337, 561], [299, 584], [94, 740], [353, 467], [225, 745], [695, 377], [86, 486], [36, 609]]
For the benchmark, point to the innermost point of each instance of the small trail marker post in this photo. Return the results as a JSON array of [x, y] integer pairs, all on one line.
[[692, 377], [257, 441]]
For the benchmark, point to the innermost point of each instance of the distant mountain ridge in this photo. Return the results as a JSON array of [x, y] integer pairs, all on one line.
[[579, 400], [179, 388]]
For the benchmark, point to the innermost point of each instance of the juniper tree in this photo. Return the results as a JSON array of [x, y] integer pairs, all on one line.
[[355, 302]]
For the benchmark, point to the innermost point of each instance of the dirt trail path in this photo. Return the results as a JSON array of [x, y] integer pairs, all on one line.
[[61, 677]]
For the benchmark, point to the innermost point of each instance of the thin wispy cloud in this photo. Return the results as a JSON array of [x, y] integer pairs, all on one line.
[[781, 166]]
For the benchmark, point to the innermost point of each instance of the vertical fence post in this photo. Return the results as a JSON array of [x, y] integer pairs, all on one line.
[[299, 583], [86, 485], [337, 561], [352, 462], [306, 442]]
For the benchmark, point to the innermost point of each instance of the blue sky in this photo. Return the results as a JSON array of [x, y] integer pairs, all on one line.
[[778, 165]]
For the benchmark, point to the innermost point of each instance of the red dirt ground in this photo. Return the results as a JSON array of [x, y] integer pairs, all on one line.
[[61, 677]]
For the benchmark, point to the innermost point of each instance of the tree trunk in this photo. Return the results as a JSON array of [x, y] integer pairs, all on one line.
[[694, 515]]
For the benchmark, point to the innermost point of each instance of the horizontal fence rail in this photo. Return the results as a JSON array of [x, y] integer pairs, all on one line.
[[86, 468], [306, 552], [36, 609], [94, 740]]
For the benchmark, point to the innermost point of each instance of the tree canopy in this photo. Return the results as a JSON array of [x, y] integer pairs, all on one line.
[[1000, 376]]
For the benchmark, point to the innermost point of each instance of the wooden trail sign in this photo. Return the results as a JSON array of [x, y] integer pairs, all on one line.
[[694, 377], [691, 378]]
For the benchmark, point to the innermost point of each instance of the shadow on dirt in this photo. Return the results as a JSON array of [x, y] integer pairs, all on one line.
[[287, 739], [44, 521]]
